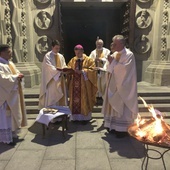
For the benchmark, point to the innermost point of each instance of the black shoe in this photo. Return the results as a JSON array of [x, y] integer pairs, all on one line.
[[84, 122], [111, 131], [11, 144], [121, 134]]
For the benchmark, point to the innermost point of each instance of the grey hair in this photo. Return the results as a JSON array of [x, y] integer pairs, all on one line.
[[119, 38]]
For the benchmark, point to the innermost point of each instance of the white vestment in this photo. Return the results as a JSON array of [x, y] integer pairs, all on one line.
[[51, 91], [12, 114], [101, 77], [120, 105]]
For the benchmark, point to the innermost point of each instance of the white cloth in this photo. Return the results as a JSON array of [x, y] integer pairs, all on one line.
[[120, 97], [48, 117], [50, 89]]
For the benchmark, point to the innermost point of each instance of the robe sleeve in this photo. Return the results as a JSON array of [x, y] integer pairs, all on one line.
[[7, 83]]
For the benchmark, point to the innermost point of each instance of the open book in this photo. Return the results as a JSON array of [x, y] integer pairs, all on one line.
[[65, 70], [95, 68]]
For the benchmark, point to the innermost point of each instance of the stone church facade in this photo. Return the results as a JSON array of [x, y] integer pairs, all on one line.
[[29, 26]]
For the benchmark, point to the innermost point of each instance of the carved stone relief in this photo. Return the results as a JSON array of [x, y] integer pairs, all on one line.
[[43, 1], [143, 19], [142, 44], [7, 23], [144, 1], [43, 20], [42, 45]]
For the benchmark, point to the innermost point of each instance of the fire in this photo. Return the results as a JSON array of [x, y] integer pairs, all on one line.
[[154, 130]]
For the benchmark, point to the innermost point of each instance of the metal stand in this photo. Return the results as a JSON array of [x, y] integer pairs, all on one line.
[[147, 157]]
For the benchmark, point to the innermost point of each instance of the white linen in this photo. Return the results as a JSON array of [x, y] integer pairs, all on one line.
[[48, 117]]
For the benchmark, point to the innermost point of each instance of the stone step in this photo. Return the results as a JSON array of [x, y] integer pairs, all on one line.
[[156, 99], [98, 115], [33, 109], [31, 101], [35, 94], [153, 94], [31, 95], [149, 100]]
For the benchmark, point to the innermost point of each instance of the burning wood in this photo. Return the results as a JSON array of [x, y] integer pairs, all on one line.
[[153, 131]]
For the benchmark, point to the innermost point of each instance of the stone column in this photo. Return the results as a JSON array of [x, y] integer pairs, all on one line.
[[158, 72], [21, 41]]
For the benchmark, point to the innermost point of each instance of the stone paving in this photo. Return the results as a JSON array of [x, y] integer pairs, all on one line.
[[85, 147]]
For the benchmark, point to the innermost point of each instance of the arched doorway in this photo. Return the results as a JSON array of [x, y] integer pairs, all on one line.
[[82, 22]]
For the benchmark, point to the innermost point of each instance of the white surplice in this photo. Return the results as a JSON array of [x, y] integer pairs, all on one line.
[[10, 106], [50, 90], [120, 105]]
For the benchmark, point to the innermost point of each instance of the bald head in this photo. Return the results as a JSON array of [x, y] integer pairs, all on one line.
[[99, 44], [119, 38]]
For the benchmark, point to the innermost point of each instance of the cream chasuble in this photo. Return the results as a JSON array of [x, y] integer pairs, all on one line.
[[120, 105]]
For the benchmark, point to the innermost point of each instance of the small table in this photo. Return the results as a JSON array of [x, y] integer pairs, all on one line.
[[45, 119]]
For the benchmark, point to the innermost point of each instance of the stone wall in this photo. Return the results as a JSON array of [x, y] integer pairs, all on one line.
[[29, 27], [152, 41]]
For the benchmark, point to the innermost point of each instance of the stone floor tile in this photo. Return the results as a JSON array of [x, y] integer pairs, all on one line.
[[65, 150], [89, 140], [33, 142], [26, 160], [6, 151], [67, 164], [3, 164], [119, 148], [92, 159], [125, 164]]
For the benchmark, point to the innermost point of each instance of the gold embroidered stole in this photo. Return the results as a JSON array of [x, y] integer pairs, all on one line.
[[118, 56], [57, 61], [100, 55], [62, 101], [13, 70]]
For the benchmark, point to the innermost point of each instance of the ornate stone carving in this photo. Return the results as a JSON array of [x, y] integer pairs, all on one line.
[[144, 1], [43, 20], [125, 26], [143, 19], [6, 24], [142, 44], [42, 45], [164, 30], [43, 1]]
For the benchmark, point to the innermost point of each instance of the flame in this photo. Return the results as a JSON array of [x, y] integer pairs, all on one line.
[[154, 129], [139, 120]]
